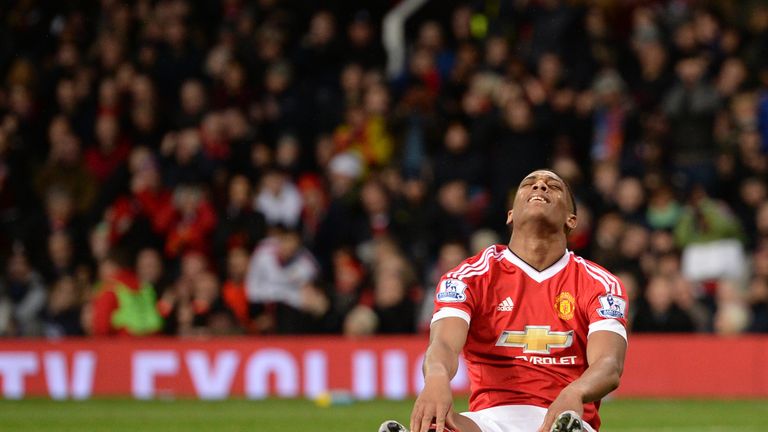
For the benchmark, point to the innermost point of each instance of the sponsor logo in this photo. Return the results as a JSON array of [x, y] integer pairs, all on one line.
[[536, 339], [506, 305], [565, 305], [612, 307], [567, 360], [452, 291]]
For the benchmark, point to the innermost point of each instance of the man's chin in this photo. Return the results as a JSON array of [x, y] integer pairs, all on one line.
[[539, 215]]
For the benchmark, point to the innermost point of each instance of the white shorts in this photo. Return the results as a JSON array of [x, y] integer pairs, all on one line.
[[511, 418]]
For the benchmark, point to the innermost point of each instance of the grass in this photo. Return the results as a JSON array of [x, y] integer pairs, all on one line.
[[118, 415]]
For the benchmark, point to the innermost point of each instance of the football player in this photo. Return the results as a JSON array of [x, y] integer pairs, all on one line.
[[542, 330]]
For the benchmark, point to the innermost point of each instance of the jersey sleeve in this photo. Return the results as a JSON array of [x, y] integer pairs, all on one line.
[[453, 298], [458, 293], [607, 306]]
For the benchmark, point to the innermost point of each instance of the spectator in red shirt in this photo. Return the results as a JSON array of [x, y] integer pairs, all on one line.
[[111, 149], [187, 222], [233, 290], [146, 200]]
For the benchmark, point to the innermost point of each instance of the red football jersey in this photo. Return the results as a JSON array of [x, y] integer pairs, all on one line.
[[528, 329]]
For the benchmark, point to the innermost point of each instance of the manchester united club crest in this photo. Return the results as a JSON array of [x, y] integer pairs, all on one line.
[[565, 305]]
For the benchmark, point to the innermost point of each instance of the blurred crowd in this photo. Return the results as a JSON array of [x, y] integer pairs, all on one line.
[[262, 167]]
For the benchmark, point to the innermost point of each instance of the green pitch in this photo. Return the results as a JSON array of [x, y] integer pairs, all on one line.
[[304, 416]]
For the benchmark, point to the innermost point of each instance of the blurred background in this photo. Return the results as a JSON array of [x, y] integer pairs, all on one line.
[[275, 167], [187, 143]]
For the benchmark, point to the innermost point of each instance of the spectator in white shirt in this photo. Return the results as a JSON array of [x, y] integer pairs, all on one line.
[[279, 270], [279, 199]]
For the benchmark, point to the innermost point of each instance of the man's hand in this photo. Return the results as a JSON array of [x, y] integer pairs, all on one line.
[[446, 338], [605, 355], [435, 401], [567, 400]]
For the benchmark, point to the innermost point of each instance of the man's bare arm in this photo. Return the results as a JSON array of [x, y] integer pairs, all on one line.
[[446, 340], [605, 353]]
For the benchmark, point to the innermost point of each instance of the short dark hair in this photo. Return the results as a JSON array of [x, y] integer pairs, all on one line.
[[570, 195]]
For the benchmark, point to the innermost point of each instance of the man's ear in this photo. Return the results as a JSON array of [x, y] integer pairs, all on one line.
[[509, 217], [571, 222]]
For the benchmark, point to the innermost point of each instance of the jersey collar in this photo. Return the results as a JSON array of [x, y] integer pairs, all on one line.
[[538, 276]]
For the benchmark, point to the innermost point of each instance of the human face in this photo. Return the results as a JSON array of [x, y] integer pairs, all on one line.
[[288, 245], [543, 195]]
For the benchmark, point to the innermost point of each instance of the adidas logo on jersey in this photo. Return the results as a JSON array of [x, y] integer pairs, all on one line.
[[506, 305]]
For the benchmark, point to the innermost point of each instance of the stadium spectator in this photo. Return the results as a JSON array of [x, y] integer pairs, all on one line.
[[450, 216], [457, 161], [663, 209], [278, 270], [62, 230], [206, 313], [362, 46], [133, 218], [174, 304], [344, 173], [183, 158], [192, 101], [315, 204], [62, 313], [690, 106], [687, 299], [360, 321], [758, 300], [376, 218], [22, 298], [64, 168], [658, 311], [240, 225], [186, 222], [233, 291], [709, 235], [278, 199], [395, 310], [364, 131], [110, 151], [149, 268], [348, 282], [316, 305], [61, 253], [279, 108], [123, 305]]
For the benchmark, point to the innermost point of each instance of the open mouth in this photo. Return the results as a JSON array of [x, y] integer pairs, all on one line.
[[538, 198]]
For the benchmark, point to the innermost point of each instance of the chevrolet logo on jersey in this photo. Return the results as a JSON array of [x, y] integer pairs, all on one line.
[[536, 339]]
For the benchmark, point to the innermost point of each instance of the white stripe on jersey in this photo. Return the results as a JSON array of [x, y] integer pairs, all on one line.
[[470, 266], [498, 256], [612, 280], [594, 275], [609, 278], [448, 312], [608, 324]]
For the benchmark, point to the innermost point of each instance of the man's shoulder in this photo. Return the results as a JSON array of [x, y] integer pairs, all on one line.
[[595, 272], [585, 262], [478, 264]]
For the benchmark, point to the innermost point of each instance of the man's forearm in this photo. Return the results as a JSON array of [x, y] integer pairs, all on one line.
[[598, 380], [440, 360]]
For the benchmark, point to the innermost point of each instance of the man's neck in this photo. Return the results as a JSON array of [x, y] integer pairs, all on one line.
[[537, 249]]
